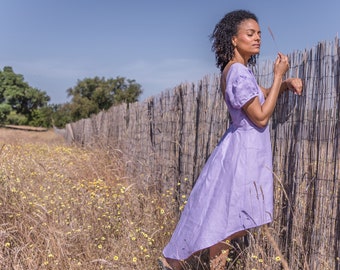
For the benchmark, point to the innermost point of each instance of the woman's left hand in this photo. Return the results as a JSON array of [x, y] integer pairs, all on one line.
[[295, 85]]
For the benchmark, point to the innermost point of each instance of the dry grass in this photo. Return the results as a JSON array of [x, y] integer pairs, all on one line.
[[18, 136], [64, 207]]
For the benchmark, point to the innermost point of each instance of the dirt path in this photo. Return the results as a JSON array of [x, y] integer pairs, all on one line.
[[22, 136]]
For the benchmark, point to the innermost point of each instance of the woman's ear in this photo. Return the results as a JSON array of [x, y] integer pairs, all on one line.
[[233, 41]]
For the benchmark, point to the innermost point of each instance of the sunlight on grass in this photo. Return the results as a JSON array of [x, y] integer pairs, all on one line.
[[66, 207]]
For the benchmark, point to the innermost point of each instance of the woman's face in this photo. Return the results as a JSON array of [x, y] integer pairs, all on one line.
[[248, 38]]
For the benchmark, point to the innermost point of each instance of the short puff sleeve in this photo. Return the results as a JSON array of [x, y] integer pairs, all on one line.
[[241, 86]]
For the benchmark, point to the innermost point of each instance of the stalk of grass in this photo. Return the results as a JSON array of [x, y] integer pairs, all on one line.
[[64, 207]]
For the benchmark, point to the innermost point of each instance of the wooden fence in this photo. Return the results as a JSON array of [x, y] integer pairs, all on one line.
[[168, 138]]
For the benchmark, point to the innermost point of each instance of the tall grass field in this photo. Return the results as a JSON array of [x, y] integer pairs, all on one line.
[[67, 207]]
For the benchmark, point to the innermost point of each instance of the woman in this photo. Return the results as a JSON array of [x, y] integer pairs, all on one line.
[[234, 191]]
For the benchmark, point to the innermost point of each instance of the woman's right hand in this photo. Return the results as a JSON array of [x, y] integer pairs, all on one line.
[[281, 65]]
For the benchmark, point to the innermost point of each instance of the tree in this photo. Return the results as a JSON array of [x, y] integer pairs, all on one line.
[[42, 117], [22, 99], [92, 95], [125, 92], [61, 114], [5, 110]]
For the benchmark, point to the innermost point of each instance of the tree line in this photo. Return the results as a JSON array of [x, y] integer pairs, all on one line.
[[21, 104]]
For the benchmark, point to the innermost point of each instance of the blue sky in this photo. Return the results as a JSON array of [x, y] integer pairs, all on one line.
[[54, 43]]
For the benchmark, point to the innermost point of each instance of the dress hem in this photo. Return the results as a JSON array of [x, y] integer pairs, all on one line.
[[229, 234]]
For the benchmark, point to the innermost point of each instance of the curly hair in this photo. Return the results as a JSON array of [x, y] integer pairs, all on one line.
[[222, 36]]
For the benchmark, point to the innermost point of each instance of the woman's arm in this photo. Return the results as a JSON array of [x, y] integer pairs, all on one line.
[[260, 114], [293, 84]]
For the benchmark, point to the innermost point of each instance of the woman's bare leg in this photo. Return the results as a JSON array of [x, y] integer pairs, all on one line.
[[219, 252]]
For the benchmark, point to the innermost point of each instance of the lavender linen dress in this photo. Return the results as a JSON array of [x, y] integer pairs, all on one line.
[[234, 191]]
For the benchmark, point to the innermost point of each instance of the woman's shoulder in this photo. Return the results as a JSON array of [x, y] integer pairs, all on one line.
[[239, 69], [235, 72], [233, 68]]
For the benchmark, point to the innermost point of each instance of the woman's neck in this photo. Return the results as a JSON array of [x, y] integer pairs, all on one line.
[[238, 58]]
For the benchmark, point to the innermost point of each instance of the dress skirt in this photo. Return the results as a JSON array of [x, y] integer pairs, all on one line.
[[234, 191]]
